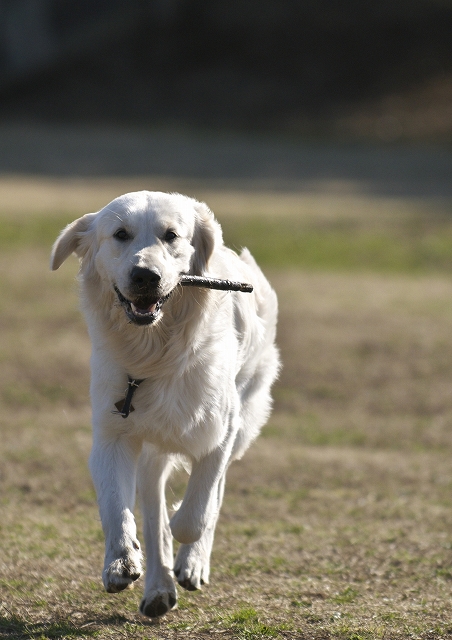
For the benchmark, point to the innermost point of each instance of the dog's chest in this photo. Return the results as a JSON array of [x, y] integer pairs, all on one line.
[[184, 412], [188, 388]]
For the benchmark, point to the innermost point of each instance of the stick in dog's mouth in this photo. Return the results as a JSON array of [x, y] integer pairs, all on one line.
[[215, 283], [148, 313]]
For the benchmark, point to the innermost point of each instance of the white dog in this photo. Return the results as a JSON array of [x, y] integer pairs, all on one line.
[[199, 364]]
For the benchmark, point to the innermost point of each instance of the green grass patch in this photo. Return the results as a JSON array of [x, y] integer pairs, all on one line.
[[31, 230], [404, 247], [417, 243], [345, 597], [247, 625]]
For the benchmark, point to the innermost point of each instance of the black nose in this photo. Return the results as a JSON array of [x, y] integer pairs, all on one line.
[[143, 278]]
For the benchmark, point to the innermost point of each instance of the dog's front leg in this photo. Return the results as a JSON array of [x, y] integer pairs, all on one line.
[[199, 509], [160, 591], [192, 565], [113, 464]]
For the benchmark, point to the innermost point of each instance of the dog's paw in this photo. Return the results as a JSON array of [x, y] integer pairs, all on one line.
[[156, 603], [121, 573], [191, 567]]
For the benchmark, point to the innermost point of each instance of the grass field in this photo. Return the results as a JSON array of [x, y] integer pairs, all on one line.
[[338, 521]]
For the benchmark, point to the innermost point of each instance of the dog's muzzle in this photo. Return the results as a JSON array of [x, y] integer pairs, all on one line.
[[144, 309]]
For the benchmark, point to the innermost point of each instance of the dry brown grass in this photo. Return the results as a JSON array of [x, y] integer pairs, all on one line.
[[336, 524], [370, 359], [322, 201]]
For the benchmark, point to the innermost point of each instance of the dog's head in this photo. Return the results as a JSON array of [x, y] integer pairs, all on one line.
[[139, 245]]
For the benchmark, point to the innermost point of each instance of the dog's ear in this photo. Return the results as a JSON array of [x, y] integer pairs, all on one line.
[[207, 234], [70, 240]]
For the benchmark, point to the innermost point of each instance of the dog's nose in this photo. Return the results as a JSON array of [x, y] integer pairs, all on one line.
[[142, 277]]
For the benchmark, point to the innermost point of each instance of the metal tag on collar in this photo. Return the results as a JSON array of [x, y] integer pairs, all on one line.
[[124, 406]]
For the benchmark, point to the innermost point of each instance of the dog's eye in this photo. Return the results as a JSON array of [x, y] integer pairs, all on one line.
[[170, 236], [122, 235]]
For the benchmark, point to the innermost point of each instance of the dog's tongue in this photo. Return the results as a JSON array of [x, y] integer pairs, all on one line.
[[143, 311]]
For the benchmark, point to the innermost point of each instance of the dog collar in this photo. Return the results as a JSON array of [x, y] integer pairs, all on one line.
[[124, 406]]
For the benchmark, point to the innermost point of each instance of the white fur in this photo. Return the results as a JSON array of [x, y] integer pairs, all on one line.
[[208, 362]]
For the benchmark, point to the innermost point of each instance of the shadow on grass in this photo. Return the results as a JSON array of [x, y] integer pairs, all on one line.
[[16, 628]]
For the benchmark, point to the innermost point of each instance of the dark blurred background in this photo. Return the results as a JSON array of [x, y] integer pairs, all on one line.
[[353, 69]]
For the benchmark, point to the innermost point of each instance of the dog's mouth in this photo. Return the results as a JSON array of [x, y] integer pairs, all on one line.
[[144, 310]]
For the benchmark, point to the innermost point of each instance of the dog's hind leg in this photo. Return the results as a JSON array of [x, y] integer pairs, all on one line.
[[160, 590], [192, 565]]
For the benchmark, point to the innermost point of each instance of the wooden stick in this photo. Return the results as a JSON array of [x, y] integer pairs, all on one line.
[[215, 283]]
